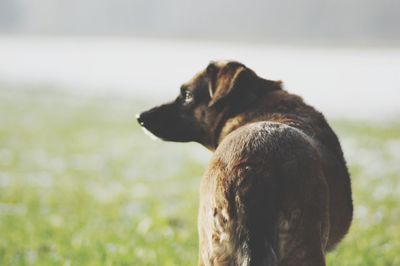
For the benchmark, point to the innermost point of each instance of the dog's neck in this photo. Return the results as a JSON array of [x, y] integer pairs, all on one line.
[[225, 126], [268, 110], [215, 132], [231, 125], [228, 121]]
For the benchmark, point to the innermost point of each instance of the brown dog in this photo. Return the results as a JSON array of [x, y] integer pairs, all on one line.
[[277, 190]]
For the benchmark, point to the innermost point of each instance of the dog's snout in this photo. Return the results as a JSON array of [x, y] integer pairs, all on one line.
[[140, 120]]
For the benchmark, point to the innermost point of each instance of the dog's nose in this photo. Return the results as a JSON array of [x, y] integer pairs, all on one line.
[[139, 118]]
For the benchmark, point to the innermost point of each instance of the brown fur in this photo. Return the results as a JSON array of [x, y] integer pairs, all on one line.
[[277, 190]]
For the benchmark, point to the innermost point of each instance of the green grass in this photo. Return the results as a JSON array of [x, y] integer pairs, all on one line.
[[80, 184]]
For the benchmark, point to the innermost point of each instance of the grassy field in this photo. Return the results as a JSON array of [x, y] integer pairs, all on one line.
[[80, 184]]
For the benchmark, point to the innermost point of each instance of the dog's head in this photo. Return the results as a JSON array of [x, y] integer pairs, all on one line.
[[221, 91]]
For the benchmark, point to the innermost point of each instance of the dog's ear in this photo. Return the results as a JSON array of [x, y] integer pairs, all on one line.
[[228, 80]]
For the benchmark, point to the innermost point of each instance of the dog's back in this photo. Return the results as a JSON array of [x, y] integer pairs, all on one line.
[[282, 107]]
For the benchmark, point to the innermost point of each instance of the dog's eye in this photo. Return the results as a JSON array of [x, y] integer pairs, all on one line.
[[188, 96]]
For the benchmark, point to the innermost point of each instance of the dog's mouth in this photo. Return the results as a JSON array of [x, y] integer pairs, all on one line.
[[151, 135], [164, 123], [145, 130]]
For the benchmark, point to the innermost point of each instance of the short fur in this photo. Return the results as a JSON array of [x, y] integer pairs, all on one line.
[[277, 190]]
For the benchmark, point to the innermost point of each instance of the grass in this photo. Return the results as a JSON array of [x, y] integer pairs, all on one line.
[[80, 184]]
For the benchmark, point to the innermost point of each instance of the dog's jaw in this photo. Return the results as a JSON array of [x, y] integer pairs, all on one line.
[[146, 131], [151, 135]]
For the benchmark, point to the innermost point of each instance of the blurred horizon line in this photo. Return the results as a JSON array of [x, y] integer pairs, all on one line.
[[338, 81]]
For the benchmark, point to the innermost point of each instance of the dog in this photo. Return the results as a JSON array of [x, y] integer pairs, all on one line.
[[277, 190]]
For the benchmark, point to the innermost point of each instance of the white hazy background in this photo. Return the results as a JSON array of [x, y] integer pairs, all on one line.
[[342, 57]]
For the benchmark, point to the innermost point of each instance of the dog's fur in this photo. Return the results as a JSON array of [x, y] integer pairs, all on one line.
[[277, 190]]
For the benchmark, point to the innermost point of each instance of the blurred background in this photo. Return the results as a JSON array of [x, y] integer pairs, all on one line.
[[79, 182]]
